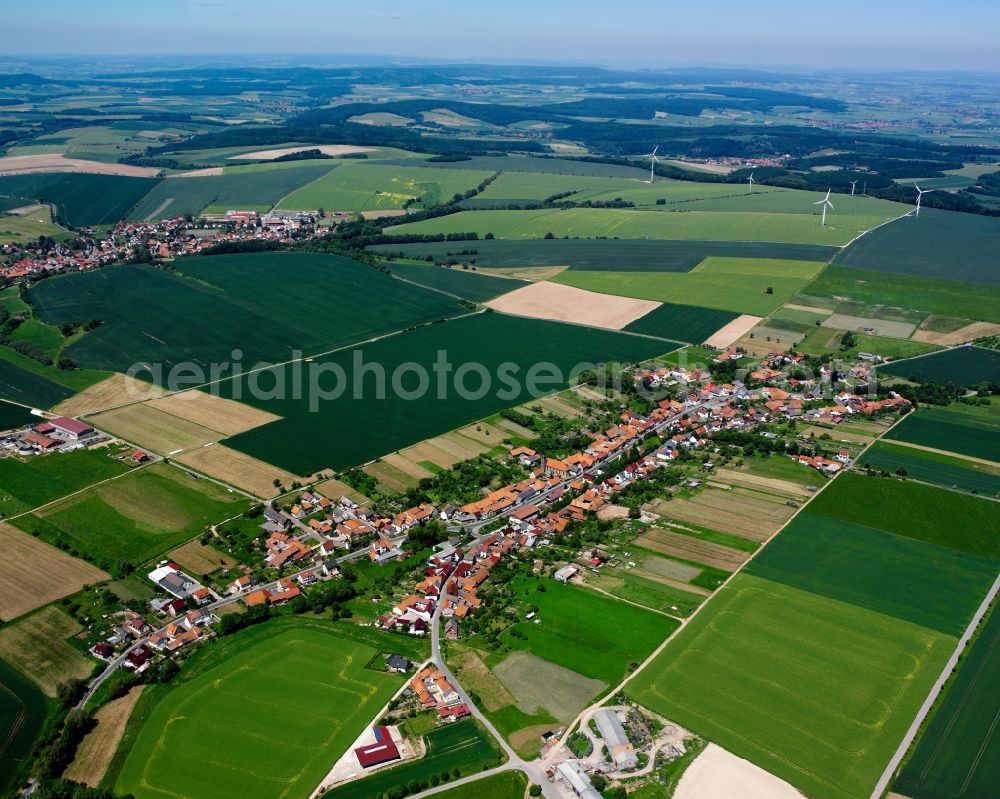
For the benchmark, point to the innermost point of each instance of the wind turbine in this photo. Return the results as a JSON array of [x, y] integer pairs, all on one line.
[[825, 202], [750, 179], [853, 184], [653, 161], [920, 193]]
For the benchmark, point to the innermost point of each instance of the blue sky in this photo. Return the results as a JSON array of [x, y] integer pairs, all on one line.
[[944, 34]]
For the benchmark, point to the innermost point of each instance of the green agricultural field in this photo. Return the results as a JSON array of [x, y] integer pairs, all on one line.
[[681, 322], [958, 752], [464, 745], [26, 484], [22, 386], [82, 199], [629, 224], [977, 436], [518, 163], [461, 282], [817, 691], [938, 244], [625, 584], [839, 286], [12, 416], [138, 517], [758, 267], [933, 586], [260, 741], [45, 337], [741, 294], [792, 201], [584, 631], [506, 785], [232, 297], [191, 195], [23, 710], [934, 467], [925, 513], [22, 229], [822, 340], [373, 187], [963, 366], [346, 432], [604, 255]]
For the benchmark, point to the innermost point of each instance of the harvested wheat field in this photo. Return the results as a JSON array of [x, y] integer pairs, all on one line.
[[57, 162], [153, 429], [428, 451], [773, 485], [458, 445], [197, 558], [689, 548], [326, 149], [484, 433], [404, 464], [37, 647], [732, 332], [334, 489], [569, 304], [33, 573], [210, 172], [207, 410], [99, 746], [960, 336], [116, 390], [733, 511], [532, 273], [238, 469], [718, 774]]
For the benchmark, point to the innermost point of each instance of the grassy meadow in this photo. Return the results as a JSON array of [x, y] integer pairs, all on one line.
[[632, 224], [227, 711]]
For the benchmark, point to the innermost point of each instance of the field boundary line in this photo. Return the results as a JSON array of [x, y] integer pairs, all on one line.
[[685, 622], [924, 448], [935, 691]]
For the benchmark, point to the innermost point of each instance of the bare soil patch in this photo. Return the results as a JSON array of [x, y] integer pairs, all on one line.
[[326, 149], [116, 390], [99, 745], [224, 415], [612, 512], [32, 573], [57, 162], [197, 558], [688, 548], [718, 774], [732, 332], [239, 469], [569, 304], [960, 336], [37, 647]]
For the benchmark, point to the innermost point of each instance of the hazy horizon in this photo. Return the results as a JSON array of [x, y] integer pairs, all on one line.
[[852, 35]]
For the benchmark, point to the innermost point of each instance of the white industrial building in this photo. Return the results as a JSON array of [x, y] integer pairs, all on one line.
[[620, 748]]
